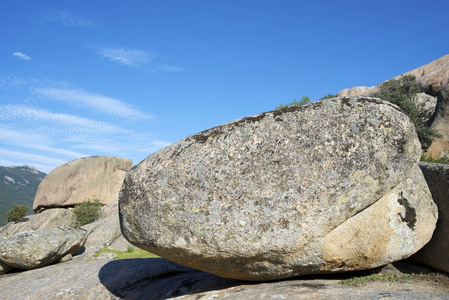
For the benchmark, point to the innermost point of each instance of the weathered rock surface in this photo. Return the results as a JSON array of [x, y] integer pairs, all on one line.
[[161, 279], [49, 218], [4, 268], [95, 177], [431, 77], [355, 91], [440, 122], [324, 187], [436, 252], [104, 232], [33, 249], [426, 104]]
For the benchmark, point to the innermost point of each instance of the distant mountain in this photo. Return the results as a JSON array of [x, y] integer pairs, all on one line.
[[18, 185]]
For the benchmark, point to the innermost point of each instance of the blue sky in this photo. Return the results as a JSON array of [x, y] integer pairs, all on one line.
[[126, 78]]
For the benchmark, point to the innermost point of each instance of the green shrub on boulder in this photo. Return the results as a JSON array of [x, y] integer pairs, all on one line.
[[17, 213], [86, 212], [402, 92]]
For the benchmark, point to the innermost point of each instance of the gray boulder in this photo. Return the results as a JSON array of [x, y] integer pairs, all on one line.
[[324, 187], [436, 252], [440, 123], [47, 219], [33, 249], [426, 104], [104, 232], [355, 91], [95, 177], [4, 268]]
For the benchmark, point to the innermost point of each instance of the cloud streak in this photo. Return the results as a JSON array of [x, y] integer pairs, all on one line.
[[70, 19], [138, 59], [96, 102], [47, 123], [126, 56], [21, 55]]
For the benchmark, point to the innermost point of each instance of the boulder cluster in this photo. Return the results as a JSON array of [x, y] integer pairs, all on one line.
[[325, 187], [48, 236]]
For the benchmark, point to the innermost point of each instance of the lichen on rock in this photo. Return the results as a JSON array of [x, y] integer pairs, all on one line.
[[257, 198]]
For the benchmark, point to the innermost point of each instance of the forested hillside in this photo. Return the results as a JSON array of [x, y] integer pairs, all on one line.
[[18, 185]]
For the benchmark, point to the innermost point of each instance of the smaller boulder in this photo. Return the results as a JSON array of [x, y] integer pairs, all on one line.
[[47, 219], [436, 252], [355, 91], [426, 104], [4, 268], [107, 255], [37, 248], [440, 122]]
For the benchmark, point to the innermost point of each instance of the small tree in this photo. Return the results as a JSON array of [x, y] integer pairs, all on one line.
[[402, 92], [17, 213], [328, 96], [303, 100], [86, 212]]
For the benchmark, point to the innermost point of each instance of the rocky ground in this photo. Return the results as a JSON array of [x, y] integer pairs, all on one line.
[[161, 279]]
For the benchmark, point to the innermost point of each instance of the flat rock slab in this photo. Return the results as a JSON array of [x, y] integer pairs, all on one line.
[[328, 186], [161, 279]]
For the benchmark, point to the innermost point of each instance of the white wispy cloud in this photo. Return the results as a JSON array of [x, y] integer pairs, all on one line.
[[21, 55], [27, 156], [47, 122], [99, 103], [126, 56], [24, 125], [139, 59], [68, 18], [170, 68], [46, 127]]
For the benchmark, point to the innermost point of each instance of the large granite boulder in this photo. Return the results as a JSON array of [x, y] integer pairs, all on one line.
[[95, 177], [324, 187], [37, 248], [436, 252]]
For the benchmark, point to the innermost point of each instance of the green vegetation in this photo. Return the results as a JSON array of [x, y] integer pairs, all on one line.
[[18, 186], [130, 253], [442, 160], [86, 212], [303, 100], [402, 92], [328, 96], [17, 213], [363, 280]]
